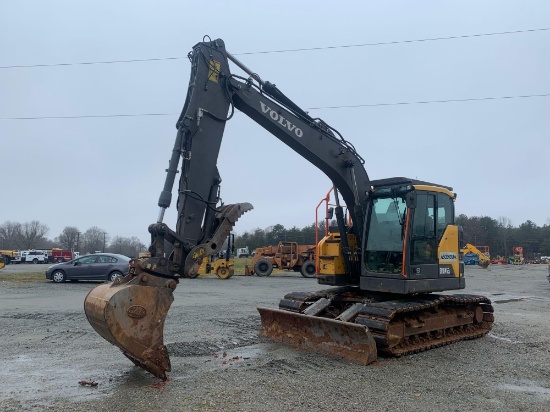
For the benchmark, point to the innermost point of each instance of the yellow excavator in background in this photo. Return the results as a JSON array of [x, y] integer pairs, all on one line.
[[484, 260], [401, 246]]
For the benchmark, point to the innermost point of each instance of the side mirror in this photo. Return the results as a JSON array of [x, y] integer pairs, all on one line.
[[77, 263], [330, 213]]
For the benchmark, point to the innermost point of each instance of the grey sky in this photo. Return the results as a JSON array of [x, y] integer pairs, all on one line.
[[109, 172]]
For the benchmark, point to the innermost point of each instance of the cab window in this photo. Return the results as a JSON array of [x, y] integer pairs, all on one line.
[[423, 237], [445, 215], [384, 248]]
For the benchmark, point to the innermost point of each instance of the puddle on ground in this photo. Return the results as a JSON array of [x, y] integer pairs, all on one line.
[[527, 387], [502, 297], [237, 357], [39, 379], [511, 300], [507, 298]]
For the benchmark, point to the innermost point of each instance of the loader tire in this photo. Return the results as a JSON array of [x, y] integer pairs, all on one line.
[[263, 267], [308, 269]]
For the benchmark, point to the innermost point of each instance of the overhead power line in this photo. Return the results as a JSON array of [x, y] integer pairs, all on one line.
[[473, 99], [396, 42], [89, 116], [21, 66], [465, 36]]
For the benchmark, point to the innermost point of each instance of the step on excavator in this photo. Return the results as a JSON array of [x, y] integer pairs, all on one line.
[[383, 268]]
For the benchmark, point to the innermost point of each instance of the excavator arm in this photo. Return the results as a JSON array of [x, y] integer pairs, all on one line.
[[130, 312]]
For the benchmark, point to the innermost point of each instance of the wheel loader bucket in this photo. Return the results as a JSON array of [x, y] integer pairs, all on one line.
[[348, 340], [131, 316]]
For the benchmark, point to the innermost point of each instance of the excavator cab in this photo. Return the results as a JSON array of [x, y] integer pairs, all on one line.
[[410, 242]]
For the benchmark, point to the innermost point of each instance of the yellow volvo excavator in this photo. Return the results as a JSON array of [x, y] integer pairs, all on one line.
[[402, 245]]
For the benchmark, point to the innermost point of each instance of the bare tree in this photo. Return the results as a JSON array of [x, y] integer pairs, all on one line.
[[10, 235], [505, 232], [68, 239], [129, 246], [94, 239], [32, 233]]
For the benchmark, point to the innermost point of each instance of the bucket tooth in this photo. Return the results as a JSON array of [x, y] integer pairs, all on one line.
[[348, 340]]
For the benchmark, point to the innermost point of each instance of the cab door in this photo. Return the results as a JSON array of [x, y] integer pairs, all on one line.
[[424, 243]]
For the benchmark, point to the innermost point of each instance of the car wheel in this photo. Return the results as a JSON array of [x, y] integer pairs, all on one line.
[[263, 267], [114, 276], [308, 269], [59, 276], [35, 261]]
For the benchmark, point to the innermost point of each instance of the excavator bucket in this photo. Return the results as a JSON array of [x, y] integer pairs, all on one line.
[[131, 315], [348, 340]]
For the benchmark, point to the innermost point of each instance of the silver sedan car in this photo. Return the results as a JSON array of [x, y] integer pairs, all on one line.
[[99, 266]]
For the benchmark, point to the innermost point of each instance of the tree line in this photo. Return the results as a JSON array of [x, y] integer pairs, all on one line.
[[272, 235], [33, 235], [499, 234]]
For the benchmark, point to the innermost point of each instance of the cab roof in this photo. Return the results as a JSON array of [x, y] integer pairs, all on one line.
[[394, 181]]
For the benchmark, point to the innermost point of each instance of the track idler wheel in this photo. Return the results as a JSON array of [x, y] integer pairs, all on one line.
[[130, 313]]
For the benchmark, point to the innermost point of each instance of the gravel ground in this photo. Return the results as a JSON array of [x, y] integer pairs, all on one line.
[[47, 347]]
